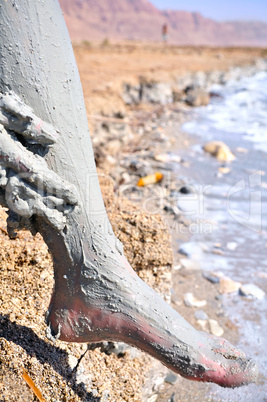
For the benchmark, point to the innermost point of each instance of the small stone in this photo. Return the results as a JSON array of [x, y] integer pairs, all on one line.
[[111, 160], [167, 158], [217, 251], [185, 190], [213, 278], [162, 158], [215, 328], [126, 178], [192, 249], [202, 324], [191, 301], [171, 378], [224, 169], [44, 274], [105, 395], [189, 264], [231, 246], [227, 285], [83, 377], [177, 267], [251, 290], [73, 361], [220, 150], [196, 96], [201, 315], [153, 398], [117, 348], [229, 324]]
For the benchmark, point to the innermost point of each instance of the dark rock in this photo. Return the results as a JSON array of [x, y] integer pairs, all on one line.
[[211, 278], [185, 190], [196, 96]]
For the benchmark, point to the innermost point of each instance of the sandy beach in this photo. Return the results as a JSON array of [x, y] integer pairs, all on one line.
[[137, 97]]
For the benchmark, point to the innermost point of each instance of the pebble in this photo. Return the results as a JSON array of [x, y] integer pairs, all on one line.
[[192, 249], [185, 190], [215, 328], [105, 395], [224, 169], [153, 398], [220, 150], [167, 158], [251, 290], [171, 378], [201, 315], [202, 324], [227, 285], [191, 301], [189, 264], [217, 251], [213, 277], [73, 361], [83, 377], [126, 177]]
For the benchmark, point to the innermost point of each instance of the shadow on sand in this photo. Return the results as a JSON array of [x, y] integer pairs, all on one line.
[[45, 352]]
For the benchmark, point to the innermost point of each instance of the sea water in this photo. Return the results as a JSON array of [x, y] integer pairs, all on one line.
[[239, 108], [230, 210]]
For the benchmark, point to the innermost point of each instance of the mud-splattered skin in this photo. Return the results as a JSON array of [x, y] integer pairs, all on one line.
[[48, 181]]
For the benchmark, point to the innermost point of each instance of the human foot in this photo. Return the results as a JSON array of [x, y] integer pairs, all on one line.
[[115, 305]]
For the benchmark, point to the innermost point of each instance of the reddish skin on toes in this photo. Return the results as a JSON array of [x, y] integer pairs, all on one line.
[[214, 360]]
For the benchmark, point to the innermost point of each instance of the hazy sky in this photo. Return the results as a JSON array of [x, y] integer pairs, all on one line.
[[223, 10]]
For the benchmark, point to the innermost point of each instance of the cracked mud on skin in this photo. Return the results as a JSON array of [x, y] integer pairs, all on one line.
[[115, 305], [97, 296]]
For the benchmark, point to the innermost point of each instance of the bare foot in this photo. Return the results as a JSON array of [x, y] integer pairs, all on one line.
[[114, 304]]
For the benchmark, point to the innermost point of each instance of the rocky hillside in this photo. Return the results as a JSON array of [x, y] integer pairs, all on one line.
[[140, 20]]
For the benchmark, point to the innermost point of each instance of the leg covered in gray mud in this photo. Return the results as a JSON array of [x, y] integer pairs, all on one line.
[[48, 181]]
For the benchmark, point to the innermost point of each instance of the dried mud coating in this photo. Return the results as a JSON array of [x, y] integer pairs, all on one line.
[[30, 187], [97, 296]]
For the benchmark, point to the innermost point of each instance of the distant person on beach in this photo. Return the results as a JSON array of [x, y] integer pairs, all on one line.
[[165, 32]]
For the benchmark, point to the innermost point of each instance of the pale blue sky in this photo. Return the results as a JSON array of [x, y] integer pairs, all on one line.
[[222, 10]]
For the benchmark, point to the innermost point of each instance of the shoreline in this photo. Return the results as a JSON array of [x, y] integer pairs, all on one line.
[[189, 277]]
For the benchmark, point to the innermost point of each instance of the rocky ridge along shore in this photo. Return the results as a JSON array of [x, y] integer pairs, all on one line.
[[128, 145]]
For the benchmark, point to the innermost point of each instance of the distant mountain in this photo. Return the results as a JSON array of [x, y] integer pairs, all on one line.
[[140, 20]]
